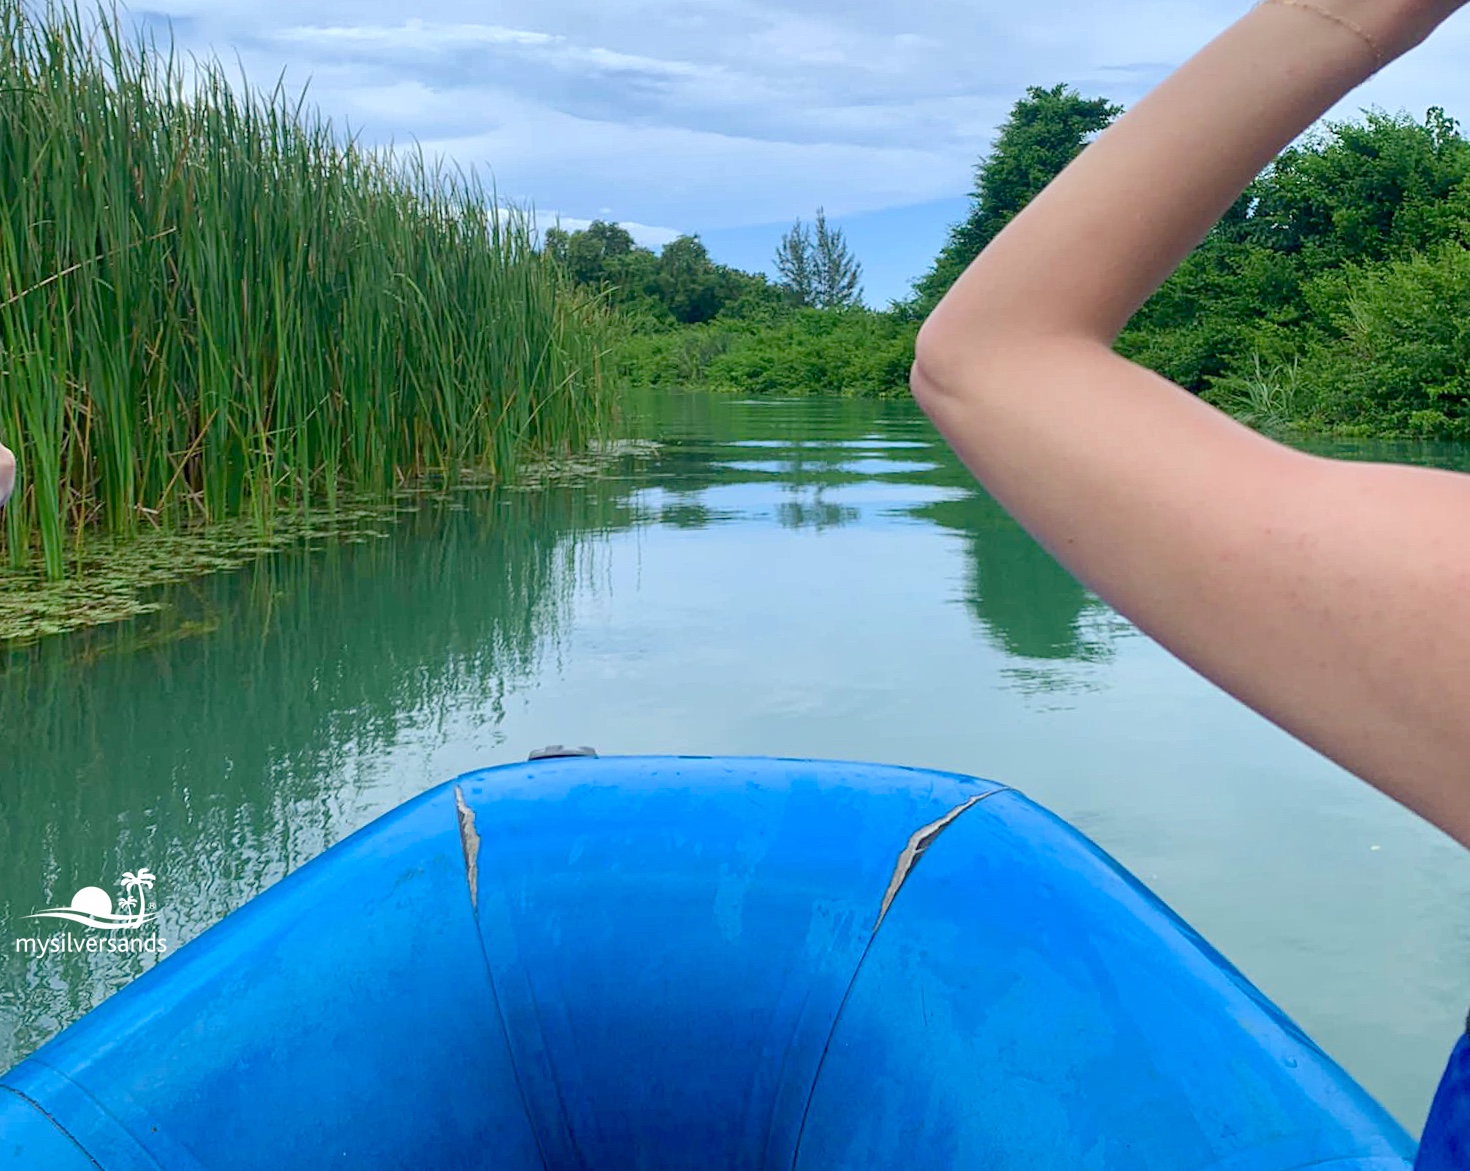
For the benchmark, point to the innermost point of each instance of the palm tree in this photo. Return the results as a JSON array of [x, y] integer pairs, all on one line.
[[140, 882]]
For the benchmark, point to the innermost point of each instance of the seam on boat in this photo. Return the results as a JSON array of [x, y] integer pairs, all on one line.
[[469, 839], [919, 841]]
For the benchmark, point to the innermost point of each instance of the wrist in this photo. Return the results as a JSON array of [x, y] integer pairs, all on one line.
[[1387, 28]]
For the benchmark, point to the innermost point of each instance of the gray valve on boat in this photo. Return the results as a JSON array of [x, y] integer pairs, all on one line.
[[552, 751]]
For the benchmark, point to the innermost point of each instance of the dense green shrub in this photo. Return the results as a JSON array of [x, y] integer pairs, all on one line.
[[1332, 295], [678, 285], [797, 352], [1388, 354]]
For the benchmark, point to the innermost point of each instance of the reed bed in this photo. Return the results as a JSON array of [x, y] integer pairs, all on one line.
[[212, 305]]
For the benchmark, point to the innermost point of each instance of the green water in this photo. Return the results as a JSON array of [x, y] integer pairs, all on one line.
[[803, 578]]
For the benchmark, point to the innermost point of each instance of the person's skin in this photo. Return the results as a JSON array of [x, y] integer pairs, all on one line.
[[7, 474], [1332, 597]]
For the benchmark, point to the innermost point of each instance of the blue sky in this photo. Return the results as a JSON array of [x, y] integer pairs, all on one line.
[[732, 118]]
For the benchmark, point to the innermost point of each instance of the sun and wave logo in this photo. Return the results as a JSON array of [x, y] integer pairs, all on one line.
[[93, 907]]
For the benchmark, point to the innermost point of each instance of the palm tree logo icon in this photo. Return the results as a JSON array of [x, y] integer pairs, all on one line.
[[92, 906], [139, 882]]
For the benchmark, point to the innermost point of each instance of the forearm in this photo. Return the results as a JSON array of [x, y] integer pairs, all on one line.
[[1094, 246]]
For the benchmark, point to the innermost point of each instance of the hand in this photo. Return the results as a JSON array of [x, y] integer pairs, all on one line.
[[7, 474]]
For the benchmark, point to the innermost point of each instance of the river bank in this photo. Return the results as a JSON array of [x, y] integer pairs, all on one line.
[[215, 309]]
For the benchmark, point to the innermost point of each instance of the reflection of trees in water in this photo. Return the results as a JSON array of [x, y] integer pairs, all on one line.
[[800, 446], [1029, 607], [1097, 627], [815, 513], [231, 737], [690, 514]]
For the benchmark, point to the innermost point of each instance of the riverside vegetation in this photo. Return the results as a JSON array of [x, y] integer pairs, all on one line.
[[224, 327], [1332, 298], [212, 308]]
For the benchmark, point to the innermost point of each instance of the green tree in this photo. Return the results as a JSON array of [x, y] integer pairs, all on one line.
[[680, 285], [819, 269], [1366, 194], [1389, 353], [689, 284], [1045, 131], [591, 255], [1376, 191], [838, 271], [795, 262]]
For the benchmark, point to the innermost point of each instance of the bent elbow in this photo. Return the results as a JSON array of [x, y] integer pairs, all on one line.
[[921, 386], [933, 367], [941, 367], [927, 359]]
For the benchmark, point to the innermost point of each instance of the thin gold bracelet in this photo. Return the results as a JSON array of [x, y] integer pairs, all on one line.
[[1378, 56]]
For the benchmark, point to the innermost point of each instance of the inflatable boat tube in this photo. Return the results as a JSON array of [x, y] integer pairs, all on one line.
[[696, 963]]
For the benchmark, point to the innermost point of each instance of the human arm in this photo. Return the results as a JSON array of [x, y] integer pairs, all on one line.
[[1332, 597]]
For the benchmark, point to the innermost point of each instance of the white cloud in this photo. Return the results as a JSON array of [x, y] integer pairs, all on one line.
[[414, 34], [644, 235], [714, 113]]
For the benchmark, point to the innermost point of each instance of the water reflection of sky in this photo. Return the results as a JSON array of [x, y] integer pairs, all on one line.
[[858, 468], [872, 501]]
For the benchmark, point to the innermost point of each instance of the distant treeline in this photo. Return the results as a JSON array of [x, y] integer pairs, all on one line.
[[1334, 296], [689, 322]]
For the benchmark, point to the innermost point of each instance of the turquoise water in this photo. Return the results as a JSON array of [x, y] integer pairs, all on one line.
[[801, 577]]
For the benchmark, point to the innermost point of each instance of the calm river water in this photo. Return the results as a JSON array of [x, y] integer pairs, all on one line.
[[791, 578]]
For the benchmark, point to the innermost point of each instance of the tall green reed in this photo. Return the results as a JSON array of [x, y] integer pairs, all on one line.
[[211, 305]]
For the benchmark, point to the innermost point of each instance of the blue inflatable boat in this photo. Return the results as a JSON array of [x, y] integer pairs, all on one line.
[[702, 964]]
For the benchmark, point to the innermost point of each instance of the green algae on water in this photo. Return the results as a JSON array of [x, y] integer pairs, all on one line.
[[590, 464], [109, 580]]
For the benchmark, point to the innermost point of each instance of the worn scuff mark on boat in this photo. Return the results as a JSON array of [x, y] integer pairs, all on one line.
[[469, 838], [919, 841]]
